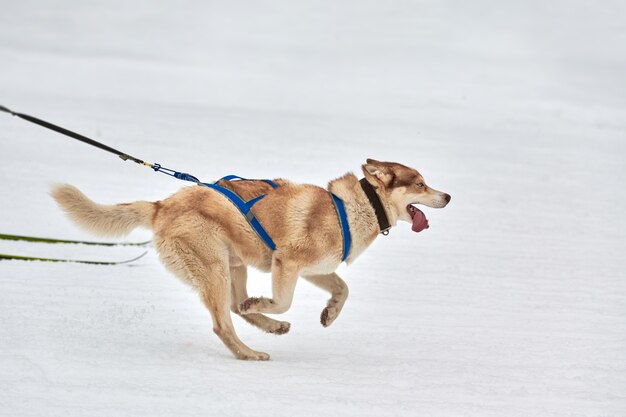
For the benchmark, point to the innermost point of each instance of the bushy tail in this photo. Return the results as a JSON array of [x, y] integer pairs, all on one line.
[[114, 220]]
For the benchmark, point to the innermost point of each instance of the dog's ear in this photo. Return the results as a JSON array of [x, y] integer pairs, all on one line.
[[379, 172]]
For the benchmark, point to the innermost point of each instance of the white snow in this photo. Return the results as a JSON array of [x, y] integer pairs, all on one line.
[[513, 303]]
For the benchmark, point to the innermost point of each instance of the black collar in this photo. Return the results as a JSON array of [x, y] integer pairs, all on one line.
[[370, 192]]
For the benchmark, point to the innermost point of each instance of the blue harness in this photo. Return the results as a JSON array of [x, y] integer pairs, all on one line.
[[246, 206]]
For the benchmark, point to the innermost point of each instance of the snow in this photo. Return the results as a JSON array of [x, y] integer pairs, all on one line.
[[513, 303]]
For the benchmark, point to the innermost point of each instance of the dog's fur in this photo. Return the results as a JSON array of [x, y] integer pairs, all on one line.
[[203, 239]]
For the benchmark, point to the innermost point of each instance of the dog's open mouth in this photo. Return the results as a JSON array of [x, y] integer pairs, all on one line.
[[420, 222]]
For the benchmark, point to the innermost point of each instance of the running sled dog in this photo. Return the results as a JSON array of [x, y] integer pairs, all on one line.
[[205, 240]]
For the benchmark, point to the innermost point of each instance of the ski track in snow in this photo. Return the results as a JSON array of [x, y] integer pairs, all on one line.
[[513, 303]]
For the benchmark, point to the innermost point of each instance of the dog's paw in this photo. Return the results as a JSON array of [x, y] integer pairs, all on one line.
[[246, 305], [253, 356], [281, 327], [329, 314]]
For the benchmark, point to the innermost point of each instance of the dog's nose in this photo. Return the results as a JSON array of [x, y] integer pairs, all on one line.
[[448, 198]]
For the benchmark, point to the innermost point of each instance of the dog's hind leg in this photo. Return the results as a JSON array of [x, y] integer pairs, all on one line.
[[239, 278], [205, 266], [339, 293], [215, 293]]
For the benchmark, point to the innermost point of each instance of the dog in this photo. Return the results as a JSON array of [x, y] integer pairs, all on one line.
[[203, 238]]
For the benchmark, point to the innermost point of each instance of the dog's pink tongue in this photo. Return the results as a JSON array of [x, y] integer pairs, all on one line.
[[420, 222]]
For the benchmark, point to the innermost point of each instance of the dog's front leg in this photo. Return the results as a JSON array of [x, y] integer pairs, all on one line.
[[339, 293], [239, 293], [284, 278]]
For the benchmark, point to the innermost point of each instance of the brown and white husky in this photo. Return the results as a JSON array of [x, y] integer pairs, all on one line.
[[204, 239]]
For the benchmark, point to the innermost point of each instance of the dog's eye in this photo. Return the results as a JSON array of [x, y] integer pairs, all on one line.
[[420, 184]]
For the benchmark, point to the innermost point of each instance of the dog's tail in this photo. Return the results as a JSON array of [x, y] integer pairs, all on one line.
[[114, 220]]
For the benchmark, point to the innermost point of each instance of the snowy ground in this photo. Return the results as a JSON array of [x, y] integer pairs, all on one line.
[[513, 303]]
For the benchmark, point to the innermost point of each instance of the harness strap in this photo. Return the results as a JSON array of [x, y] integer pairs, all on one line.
[[244, 207], [345, 227]]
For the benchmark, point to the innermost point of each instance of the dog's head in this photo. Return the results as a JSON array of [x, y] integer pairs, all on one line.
[[402, 188]]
